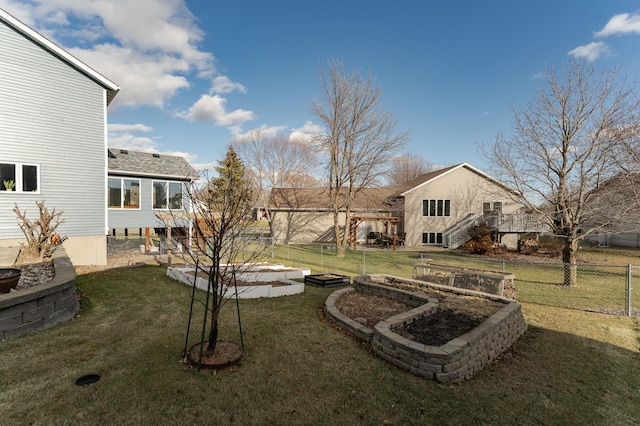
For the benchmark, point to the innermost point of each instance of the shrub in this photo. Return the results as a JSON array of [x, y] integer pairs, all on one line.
[[38, 232], [480, 241]]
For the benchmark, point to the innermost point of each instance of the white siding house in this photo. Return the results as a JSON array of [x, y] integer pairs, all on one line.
[[53, 114]]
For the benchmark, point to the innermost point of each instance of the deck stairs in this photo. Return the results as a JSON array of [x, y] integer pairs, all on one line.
[[458, 234]]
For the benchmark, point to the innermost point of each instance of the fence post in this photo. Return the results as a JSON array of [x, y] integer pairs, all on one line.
[[321, 246], [287, 251], [629, 291], [364, 260]]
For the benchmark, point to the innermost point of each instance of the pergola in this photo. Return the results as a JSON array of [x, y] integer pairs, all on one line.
[[389, 222]]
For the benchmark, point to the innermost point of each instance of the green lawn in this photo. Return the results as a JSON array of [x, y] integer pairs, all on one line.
[[602, 275], [571, 367]]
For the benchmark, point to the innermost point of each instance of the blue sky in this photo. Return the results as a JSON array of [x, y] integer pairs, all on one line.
[[196, 75]]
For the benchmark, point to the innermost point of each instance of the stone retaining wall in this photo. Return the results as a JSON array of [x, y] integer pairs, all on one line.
[[494, 282], [455, 361], [43, 306]]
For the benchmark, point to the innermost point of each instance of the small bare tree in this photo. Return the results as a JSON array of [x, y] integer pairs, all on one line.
[[221, 217], [360, 140], [38, 232], [564, 149], [407, 167]]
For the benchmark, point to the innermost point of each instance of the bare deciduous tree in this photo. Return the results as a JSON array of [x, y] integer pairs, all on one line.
[[407, 167], [360, 140], [276, 162], [563, 151], [220, 213]]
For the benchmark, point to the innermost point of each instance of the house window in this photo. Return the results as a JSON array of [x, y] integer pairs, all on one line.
[[492, 207], [436, 207], [18, 177], [167, 195], [124, 193], [432, 238]]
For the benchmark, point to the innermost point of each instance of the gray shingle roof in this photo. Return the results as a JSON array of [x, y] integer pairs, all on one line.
[[136, 163]]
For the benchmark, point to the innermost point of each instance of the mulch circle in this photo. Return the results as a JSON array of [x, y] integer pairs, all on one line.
[[225, 355]]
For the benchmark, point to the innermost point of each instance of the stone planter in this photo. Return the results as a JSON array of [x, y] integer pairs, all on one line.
[[9, 278]]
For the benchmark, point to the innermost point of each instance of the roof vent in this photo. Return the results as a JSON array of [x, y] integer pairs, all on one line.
[[156, 155], [124, 151]]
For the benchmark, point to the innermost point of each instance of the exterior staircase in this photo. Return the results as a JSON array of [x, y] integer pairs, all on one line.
[[458, 234]]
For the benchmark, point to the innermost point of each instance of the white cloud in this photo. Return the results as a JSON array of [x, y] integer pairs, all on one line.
[[144, 79], [223, 84], [622, 23], [123, 136], [305, 133], [264, 132], [212, 108], [119, 127], [591, 51], [148, 47], [130, 141]]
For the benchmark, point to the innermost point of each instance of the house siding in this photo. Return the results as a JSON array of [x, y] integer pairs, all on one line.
[[53, 116], [467, 191], [145, 216]]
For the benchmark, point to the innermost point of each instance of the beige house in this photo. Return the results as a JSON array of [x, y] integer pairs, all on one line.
[[303, 214], [437, 209]]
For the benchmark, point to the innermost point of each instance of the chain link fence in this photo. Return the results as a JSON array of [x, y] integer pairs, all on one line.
[[605, 288]]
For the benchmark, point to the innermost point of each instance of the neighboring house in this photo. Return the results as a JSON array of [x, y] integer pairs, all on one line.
[[53, 139], [145, 189], [612, 217], [437, 208], [303, 214]]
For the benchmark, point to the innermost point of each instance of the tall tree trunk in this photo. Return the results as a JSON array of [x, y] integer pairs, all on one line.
[[569, 260], [336, 234]]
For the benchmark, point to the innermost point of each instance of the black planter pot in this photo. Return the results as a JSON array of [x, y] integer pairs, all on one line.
[[9, 278]]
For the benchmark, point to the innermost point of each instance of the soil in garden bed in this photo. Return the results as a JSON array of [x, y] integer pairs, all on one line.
[[440, 327], [455, 316]]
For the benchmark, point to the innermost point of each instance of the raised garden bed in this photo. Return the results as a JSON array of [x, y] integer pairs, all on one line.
[[255, 281], [448, 335], [327, 280], [494, 282]]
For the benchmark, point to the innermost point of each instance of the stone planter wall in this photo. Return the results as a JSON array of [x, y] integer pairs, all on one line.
[[42, 306], [493, 282], [455, 361]]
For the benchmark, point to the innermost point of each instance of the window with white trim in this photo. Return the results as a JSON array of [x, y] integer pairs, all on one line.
[[436, 207], [167, 195], [490, 207], [431, 238], [19, 177], [124, 193]]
